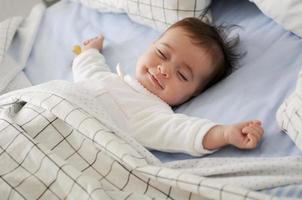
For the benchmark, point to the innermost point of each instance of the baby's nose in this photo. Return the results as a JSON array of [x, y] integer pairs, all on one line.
[[163, 69]]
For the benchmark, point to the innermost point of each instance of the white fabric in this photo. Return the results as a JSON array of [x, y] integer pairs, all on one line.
[[58, 141], [8, 29], [12, 64], [18, 82], [152, 122], [287, 13], [158, 14], [10, 8], [289, 114]]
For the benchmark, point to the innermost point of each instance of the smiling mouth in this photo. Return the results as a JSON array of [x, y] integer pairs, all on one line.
[[155, 81]]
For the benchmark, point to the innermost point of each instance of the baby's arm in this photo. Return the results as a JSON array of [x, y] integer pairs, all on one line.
[[174, 132], [90, 63], [167, 131], [244, 135]]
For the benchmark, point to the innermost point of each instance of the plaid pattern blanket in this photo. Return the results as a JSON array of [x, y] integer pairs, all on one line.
[[289, 114], [159, 14], [58, 142]]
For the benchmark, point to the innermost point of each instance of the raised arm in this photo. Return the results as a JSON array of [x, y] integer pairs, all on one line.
[[90, 63], [172, 132]]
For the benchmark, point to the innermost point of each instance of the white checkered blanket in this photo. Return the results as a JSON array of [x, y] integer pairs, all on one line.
[[289, 114], [57, 141]]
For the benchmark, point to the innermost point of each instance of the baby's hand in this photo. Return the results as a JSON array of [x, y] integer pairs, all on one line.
[[96, 43], [244, 135]]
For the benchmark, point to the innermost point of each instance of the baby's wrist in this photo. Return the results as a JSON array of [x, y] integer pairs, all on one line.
[[86, 48], [225, 134], [215, 138]]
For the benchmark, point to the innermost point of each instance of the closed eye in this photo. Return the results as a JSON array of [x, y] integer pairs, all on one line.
[[161, 54], [183, 77]]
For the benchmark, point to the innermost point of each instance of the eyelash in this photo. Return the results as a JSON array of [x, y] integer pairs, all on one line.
[[161, 54], [182, 76]]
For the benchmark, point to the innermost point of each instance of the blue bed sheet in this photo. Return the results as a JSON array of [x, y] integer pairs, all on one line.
[[267, 74]]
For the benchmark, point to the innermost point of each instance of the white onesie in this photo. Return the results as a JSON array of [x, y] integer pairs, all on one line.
[[153, 122]]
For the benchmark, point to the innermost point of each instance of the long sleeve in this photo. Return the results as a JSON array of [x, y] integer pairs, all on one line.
[[89, 64], [173, 132]]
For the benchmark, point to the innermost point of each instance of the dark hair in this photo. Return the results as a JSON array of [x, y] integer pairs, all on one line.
[[214, 39]]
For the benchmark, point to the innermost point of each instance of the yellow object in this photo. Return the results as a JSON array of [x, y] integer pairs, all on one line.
[[76, 49]]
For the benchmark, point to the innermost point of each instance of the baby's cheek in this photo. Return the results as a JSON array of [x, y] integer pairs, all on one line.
[[186, 93], [178, 96]]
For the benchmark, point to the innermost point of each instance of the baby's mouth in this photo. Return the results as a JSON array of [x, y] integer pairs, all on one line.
[[155, 81]]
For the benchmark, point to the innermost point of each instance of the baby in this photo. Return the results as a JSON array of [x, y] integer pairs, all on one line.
[[187, 58]]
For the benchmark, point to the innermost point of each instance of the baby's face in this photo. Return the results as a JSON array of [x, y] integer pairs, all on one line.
[[173, 68]]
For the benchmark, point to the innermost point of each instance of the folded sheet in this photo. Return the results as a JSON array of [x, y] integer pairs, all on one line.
[[16, 40]]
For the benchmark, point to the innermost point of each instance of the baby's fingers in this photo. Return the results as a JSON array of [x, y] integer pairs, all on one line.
[[253, 135], [258, 130], [256, 122], [252, 141], [100, 36], [255, 130], [86, 42]]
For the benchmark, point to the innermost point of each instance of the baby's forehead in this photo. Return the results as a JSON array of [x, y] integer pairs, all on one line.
[[180, 40], [175, 37], [180, 35]]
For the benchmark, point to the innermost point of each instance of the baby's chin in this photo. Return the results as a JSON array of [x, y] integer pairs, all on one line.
[[144, 82], [147, 85]]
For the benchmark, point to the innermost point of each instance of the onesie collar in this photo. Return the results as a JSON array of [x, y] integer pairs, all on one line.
[[119, 70]]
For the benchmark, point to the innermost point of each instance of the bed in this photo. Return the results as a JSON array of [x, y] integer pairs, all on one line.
[[267, 75]]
